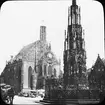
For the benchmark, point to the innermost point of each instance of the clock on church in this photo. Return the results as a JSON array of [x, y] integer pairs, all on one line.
[[49, 55]]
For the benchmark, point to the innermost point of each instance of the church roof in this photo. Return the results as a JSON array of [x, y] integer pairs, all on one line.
[[99, 62], [27, 53], [27, 47], [35, 50]]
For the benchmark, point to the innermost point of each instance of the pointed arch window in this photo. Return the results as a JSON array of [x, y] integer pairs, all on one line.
[[45, 70], [54, 72], [49, 70], [30, 77], [102, 69], [74, 45], [40, 71], [73, 18]]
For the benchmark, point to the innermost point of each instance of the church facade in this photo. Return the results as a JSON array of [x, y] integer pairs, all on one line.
[[37, 62]]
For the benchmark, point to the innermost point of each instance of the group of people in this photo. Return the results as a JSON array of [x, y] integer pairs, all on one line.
[[7, 93]]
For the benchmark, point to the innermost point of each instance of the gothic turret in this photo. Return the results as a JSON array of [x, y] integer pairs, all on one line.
[[43, 33], [74, 14], [73, 2]]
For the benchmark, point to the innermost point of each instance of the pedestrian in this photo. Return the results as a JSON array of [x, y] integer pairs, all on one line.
[[101, 96], [11, 94]]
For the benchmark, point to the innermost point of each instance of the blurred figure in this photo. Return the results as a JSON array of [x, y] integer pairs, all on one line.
[[101, 96], [11, 94], [7, 93]]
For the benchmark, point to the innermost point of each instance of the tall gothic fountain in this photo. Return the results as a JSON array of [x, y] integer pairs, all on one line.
[[74, 51]]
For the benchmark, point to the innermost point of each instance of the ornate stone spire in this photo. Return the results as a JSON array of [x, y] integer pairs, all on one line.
[[74, 47], [73, 2]]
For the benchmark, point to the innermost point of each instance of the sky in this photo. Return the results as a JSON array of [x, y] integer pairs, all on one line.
[[20, 23]]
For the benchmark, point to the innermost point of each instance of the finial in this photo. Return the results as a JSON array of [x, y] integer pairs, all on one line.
[[42, 23], [83, 34], [11, 56], [65, 34], [73, 2], [49, 45]]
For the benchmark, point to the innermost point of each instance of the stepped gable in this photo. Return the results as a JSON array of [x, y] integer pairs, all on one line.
[[99, 61]]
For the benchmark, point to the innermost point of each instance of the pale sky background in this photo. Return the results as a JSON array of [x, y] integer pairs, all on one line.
[[20, 25]]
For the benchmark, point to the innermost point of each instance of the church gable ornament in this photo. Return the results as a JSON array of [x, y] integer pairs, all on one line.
[[48, 57]]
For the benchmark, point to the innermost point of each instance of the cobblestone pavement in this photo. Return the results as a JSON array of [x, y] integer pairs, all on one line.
[[27, 100]]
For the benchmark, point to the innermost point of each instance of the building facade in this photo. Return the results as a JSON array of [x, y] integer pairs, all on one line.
[[96, 76], [37, 62], [12, 74]]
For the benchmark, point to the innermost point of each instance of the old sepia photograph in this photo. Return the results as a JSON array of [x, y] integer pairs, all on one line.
[[52, 52]]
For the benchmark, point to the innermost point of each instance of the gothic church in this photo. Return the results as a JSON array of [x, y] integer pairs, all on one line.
[[29, 68]]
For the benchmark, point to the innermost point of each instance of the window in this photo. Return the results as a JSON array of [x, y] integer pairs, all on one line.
[[40, 73], [54, 72], [49, 70], [74, 45], [30, 77], [15, 68], [44, 69], [8, 69], [102, 69]]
